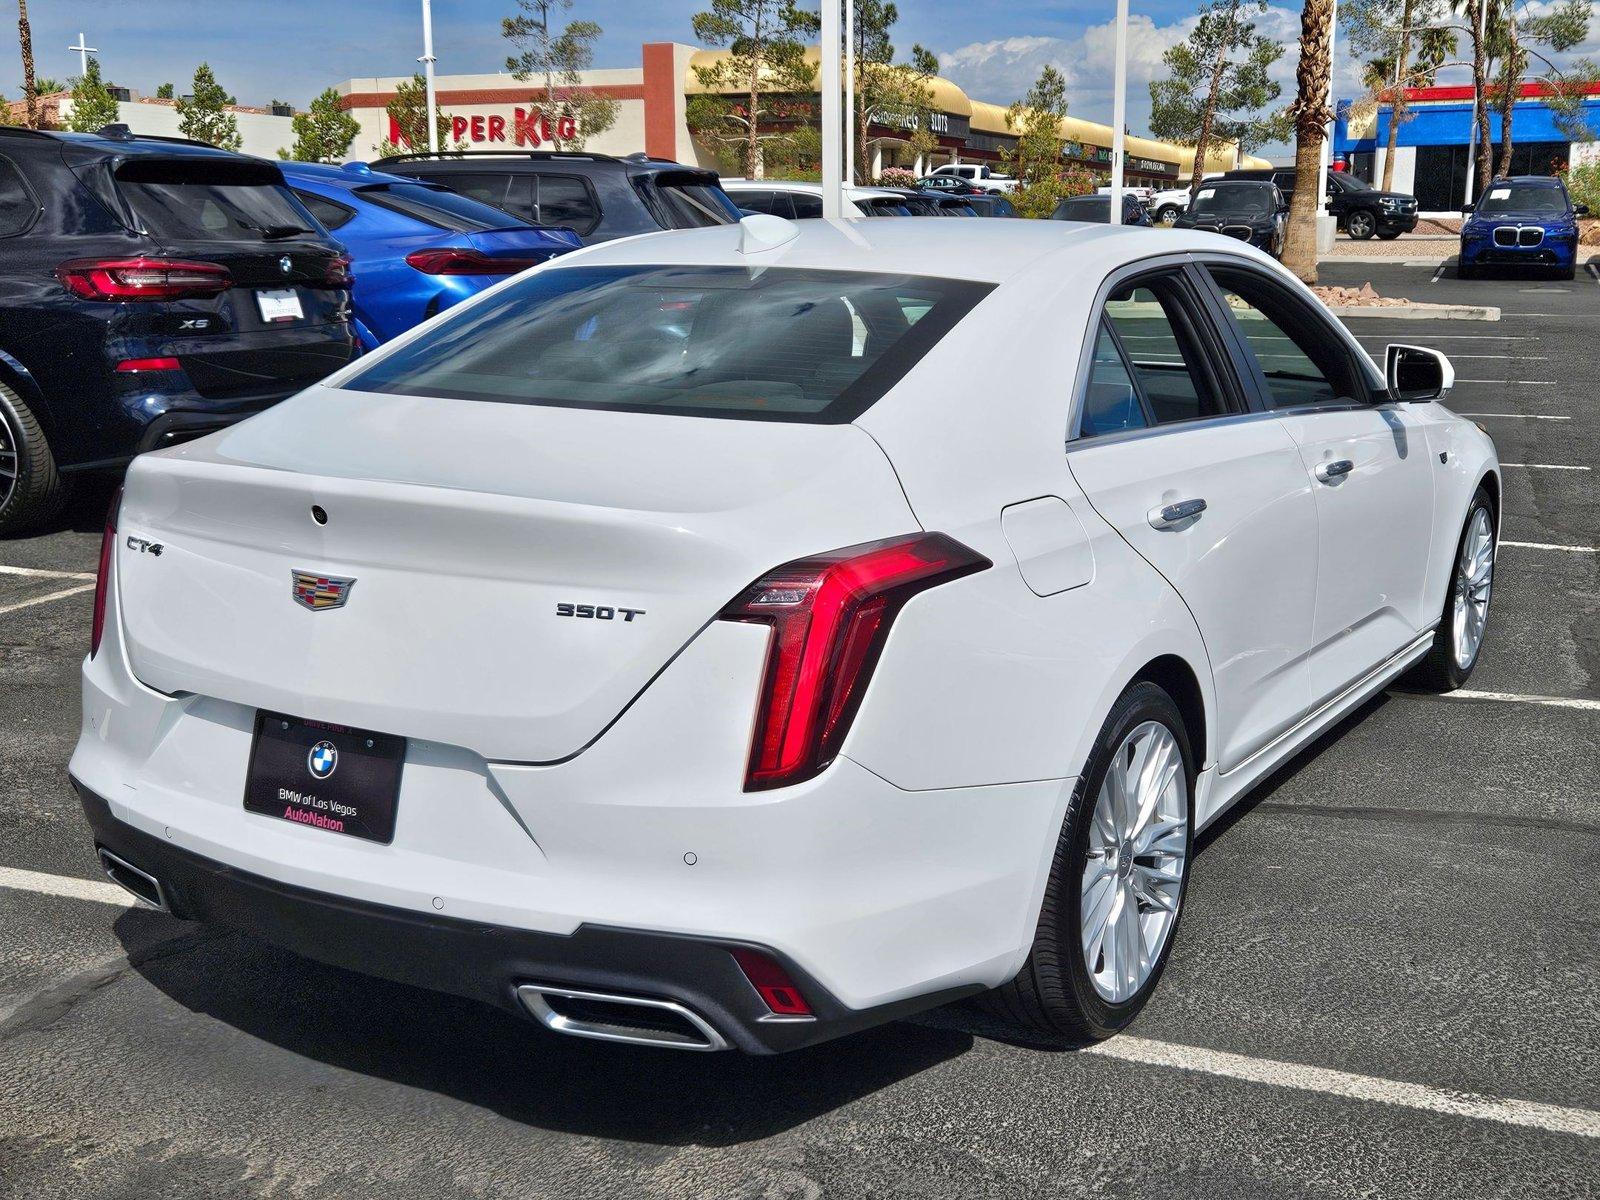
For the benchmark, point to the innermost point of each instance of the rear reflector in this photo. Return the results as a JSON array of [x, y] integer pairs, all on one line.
[[143, 278], [447, 261], [149, 364], [830, 616], [777, 991], [102, 579]]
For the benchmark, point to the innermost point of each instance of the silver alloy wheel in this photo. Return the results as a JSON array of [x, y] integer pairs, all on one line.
[[1474, 577], [10, 459], [1138, 853]]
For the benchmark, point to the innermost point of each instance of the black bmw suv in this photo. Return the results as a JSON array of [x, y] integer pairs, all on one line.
[[597, 196], [1360, 209], [151, 290]]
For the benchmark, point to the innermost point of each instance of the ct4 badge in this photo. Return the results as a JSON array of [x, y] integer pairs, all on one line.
[[318, 592]]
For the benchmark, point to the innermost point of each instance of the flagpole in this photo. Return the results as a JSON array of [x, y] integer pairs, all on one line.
[[832, 89], [849, 94]]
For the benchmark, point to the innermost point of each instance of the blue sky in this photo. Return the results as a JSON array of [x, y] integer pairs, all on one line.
[[291, 49]]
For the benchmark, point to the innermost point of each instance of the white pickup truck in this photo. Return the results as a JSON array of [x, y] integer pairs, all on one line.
[[988, 178]]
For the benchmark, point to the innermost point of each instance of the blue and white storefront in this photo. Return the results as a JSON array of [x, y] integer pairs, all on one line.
[[1432, 151]]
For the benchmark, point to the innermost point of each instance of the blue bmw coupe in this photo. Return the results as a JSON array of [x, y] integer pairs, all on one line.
[[1523, 221], [416, 247]]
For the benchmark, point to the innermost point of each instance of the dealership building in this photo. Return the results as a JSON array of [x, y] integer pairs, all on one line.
[[490, 112], [1430, 159]]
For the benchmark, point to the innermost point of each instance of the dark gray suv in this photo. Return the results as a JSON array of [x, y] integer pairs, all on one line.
[[597, 196]]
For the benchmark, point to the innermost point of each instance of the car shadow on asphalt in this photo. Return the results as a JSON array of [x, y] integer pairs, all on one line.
[[482, 1056]]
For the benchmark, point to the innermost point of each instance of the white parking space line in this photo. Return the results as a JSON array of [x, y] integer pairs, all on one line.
[[1545, 466], [1552, 546], [1456, 337], [36, 573], [1513, 382], [1513, 698], [1550, 1118], [68, 886], [1595, 271], [1509, 357], [1437, 273], [1516, 416], [61, 595]]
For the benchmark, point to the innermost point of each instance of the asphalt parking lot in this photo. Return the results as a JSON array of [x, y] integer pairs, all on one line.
[[1387, 982]]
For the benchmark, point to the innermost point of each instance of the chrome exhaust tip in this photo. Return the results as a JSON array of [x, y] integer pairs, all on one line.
[[606, 1017], [145, 887]]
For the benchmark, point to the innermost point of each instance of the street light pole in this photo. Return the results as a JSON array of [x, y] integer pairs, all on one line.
[[1472, 137], [1119, 112], [427, 61], [849, 94], [832, 90], [84, 50]]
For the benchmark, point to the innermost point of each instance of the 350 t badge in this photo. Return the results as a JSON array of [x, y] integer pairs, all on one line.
[[598, 612]]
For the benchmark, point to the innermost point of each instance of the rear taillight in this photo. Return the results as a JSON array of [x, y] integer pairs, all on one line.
[[136, 365], [102, 580], [830, 616], [337, 274], [468, 262], [772, 983], [143, 278]]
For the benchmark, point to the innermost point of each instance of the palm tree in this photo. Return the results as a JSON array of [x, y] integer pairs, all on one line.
[[30, 94], [1311, 116]]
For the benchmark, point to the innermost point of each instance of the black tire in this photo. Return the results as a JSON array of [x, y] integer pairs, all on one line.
[[1388, 235], [1439, 671], [1361, 224], [31, 489], [1467, 270], [1568, 273], [1053, 996]]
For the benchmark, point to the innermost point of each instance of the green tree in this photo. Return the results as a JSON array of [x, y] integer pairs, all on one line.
[[887, 92], [1408, 45], [93, 106], [1528, 35], [766, 70], [324, 132], [164, 91], [407, 111], [1219, 84], [204, 115], [1036, 120], [45, 85], [567, 117]]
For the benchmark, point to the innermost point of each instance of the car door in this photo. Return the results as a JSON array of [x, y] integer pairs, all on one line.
[[1365, 460], [1214, 497]]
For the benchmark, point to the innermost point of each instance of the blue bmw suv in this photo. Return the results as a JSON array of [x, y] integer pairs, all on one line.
[[151, 290], [1523, 221], [416, 247]]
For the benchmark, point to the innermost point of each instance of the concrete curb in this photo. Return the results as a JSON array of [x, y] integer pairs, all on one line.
[[1342, 259], [1420, 312]]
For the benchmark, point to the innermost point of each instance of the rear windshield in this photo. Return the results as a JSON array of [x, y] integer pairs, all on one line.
[[1547, 198], [437, 206], [686, 202], [776, 344], [199, 201]]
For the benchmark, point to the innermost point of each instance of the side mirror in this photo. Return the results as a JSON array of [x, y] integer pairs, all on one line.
[[1468, 211], [1417, 373], [1581, 210]]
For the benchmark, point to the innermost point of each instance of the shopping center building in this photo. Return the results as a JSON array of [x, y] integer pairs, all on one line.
[[1430, 158], [491, 112]]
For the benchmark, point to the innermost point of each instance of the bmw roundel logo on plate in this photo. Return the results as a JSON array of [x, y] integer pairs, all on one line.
[[322, 759]]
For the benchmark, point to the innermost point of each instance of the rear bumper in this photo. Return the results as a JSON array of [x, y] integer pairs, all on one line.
[[487, 962]]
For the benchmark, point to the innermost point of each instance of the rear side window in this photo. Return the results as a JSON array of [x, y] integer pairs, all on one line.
[[1112, 402], [486, 189], [200, 200], [1152, 323], [436, 206], [17, 205], [566, 200], [329, 215], [778, 344], [773, 203]]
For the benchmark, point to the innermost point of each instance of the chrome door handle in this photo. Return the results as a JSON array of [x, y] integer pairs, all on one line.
[[1175, 514], [1329, 471]]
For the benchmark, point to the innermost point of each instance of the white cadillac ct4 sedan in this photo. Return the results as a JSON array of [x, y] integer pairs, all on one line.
[[660, 646]]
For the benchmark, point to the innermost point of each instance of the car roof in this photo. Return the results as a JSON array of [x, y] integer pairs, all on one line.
[[984, 251], [538, 160], [127, 146], [1540, 180], [349, 176]]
